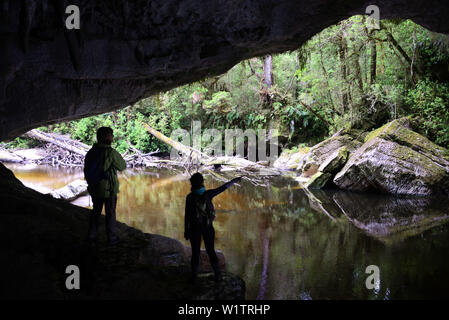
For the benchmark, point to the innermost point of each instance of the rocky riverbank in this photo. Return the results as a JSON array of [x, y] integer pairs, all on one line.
[[40, 236], [393, 159]]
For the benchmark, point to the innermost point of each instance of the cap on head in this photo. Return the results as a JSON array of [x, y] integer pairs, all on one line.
[[197, 180]]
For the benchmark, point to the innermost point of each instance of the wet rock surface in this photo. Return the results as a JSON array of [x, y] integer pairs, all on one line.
[[392, 159], [289, 160], [318, 180], [40, 236], [326, 151], [396, 160], [71, 191]]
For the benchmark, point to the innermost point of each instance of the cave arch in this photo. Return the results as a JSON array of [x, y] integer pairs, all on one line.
[[128, 50]]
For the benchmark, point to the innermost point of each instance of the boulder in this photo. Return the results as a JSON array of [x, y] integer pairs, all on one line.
[[396, 160], [335, 161], [71, 191], [318, 180], [289, 160], [205, 266], [325, 159], [162, 251], [325, 150]]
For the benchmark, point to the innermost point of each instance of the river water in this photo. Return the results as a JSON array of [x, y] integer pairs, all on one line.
[[287, 243]]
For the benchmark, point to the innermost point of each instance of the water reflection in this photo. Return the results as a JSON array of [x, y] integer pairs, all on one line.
[[287, 243]]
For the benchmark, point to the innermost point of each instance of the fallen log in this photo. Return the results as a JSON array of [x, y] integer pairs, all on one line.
[[223, 163], [63, 151], [186, 150], [35, 134], [6, 156]]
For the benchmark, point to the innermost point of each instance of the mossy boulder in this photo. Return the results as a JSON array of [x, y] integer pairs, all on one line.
[[396, 160], [318, 181], [321, 152], [335, 161]]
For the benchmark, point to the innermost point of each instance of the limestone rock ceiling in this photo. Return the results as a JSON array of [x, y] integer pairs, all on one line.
[[128, 50]]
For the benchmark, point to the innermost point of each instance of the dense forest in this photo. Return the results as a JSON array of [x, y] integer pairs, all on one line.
[[351, 75]]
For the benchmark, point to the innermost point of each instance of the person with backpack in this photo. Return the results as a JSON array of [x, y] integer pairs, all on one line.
[[199, 215], [100, 171]]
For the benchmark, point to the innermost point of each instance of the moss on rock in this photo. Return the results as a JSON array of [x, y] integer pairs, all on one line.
[[396, 160], [318, 180]]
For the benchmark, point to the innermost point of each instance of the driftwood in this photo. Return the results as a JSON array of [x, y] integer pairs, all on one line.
[[67, 144], [195, 160], [7, 156], [61, 150]]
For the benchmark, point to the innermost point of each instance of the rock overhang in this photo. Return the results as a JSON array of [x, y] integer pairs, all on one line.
[[128, 50]]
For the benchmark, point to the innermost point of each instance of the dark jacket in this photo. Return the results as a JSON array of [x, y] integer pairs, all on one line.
[[113, 161], [189, 217]]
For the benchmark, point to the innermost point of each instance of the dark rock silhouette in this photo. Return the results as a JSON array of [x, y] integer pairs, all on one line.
[[40, 236]]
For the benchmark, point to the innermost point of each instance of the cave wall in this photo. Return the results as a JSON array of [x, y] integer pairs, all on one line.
[[128, 50]]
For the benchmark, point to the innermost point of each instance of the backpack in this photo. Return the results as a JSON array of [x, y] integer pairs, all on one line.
[[93, 167], [204, 212]]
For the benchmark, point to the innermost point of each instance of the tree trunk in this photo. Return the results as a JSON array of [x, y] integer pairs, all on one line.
[[342, 55], [373, 65], [326, 77], [187, 150], [359, 72], [75, 147], [268, 71]]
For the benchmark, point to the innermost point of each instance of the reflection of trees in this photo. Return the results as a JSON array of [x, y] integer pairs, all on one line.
[[282, 247], [285, 248]]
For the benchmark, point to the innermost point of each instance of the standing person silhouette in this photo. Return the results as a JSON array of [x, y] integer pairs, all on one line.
[[199, 215], [100, 170]]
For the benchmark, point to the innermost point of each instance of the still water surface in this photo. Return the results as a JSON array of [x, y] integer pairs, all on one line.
[[287, 243]]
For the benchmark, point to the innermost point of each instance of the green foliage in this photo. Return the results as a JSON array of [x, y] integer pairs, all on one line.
[[325, 85], [221, 103], [21, 143], [430, 101]]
